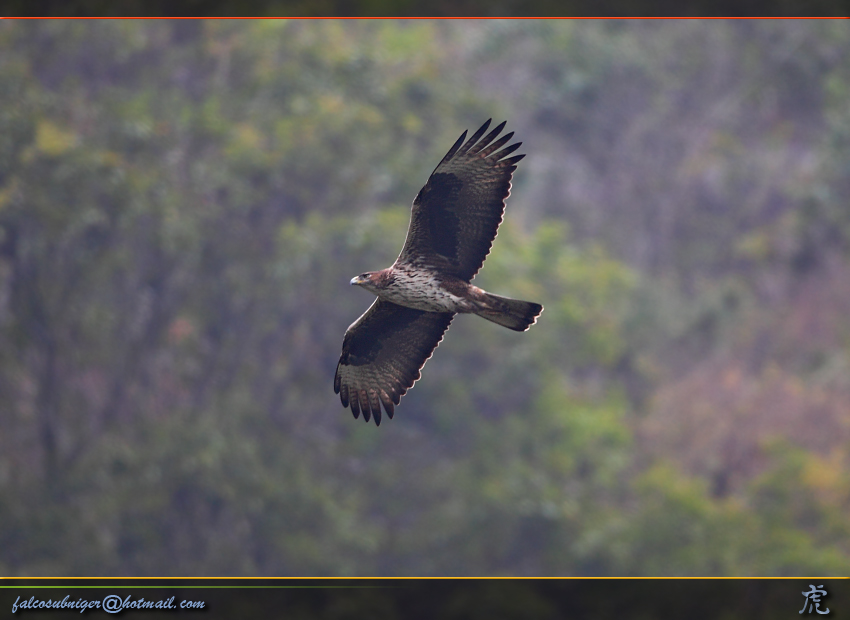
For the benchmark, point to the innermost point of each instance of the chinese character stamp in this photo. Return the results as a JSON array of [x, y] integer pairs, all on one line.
[[813, 597]]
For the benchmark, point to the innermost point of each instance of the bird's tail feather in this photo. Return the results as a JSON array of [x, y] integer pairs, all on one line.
[[511, 313]]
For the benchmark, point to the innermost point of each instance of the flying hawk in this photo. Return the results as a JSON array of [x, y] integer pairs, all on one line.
[[453, 222]]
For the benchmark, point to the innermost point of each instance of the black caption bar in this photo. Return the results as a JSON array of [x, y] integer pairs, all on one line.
[[415, 599]]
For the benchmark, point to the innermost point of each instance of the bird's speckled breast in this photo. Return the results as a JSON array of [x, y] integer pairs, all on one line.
[[421, 290]]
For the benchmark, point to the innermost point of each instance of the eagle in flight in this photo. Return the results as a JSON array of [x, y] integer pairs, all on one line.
[[453, 222]]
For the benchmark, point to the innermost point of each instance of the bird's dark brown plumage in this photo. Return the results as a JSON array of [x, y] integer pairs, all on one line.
[[456, 215], [453, 222], [382, 354]]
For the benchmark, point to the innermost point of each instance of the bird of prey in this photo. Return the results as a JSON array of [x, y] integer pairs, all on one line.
[[453, 222]]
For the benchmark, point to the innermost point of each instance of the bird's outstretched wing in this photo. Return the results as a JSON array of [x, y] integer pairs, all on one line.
[[382, 354], [456, 215]]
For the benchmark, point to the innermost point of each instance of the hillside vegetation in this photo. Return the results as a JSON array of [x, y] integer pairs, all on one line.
[[183, 203]]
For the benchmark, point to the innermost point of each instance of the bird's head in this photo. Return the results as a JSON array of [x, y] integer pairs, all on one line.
[[362, 279], [371, 280]]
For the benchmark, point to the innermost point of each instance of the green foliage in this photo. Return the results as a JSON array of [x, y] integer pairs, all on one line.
[[183, 203]]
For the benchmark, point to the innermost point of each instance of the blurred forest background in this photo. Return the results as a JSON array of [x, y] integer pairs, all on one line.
[[183, 203]]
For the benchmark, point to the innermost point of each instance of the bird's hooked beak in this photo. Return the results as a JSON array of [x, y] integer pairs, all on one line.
[[357, 280]]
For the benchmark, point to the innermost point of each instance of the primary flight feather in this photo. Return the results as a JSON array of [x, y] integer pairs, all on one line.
[[453, 222]]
